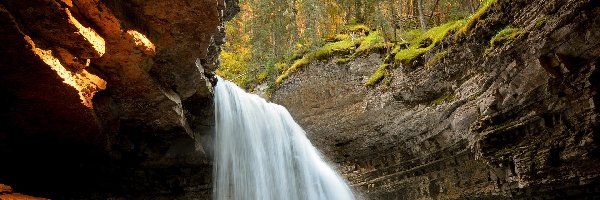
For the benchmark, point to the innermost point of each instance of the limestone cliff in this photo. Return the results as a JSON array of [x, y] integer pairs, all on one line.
[[108, 98], [518, 121]]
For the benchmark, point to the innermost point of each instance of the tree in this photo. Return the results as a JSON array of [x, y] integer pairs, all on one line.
[[421, 15], [269, 32]]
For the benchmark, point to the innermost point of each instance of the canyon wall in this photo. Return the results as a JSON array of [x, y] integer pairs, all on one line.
[[109, 99], [515, 121]]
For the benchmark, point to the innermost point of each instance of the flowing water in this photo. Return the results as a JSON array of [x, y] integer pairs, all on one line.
[[261, 153]]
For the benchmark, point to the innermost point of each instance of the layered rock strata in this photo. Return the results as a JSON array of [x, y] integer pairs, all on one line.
[[519, 121]]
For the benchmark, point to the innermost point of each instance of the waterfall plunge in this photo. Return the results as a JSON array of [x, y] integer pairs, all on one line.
[[261, 153]]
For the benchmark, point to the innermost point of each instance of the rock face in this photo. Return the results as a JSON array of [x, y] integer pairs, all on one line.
[[6, 192], [109, 99], [516, 122]]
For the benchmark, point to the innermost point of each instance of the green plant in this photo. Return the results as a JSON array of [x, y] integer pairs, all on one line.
[[377, 76], [370, 43], [342, 47], [388, 80], [434, 35], [340, 37], [473, 19], [541, 21], [436, 58], [344, 60], [262, 76], [448, 96], [506, 36], [305, 60], [355, 28]]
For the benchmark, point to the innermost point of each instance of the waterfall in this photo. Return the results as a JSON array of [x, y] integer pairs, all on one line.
[[261, 153]]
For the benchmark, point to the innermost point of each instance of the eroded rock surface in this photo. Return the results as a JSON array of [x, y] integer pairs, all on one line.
[[109, 99], [516, 122]]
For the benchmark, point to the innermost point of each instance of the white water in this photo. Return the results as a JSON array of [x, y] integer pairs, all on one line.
[[261, 153]]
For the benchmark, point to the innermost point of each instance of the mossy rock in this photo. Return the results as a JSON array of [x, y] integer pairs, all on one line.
[[359, 29], [446, 97], [377, 76], [374, 42], [298, 64], [481, 13], [506, 36], [541, 21], [329, 50], [436, 58], [425, 43]]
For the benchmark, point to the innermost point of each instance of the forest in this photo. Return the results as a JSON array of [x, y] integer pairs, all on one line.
[[269, 40]]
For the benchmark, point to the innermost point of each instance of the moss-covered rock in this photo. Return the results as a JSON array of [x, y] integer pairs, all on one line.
[[433, 37], [436, 58], [506, 36], [294, 68], [343, 47], [475, 18], [371, 43], [378, 75]]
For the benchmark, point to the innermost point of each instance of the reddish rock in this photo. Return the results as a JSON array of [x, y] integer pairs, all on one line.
[[6, 193], [17, 196], [110, 97]]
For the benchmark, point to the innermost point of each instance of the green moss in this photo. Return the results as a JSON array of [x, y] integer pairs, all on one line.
[[411, 35], [281, 78], [294, 68], [341, 47], [355, 28], [506, 36], [373, 42], [344, 60], [408, 55], [448, 96], [341, 37], [378, 75], [438, 56], [481, 12], [541, 21], [388, 80], [434, 35], [262, 76], [281, 66], [300, 63]]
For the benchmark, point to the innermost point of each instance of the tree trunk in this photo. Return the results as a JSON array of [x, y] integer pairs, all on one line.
[[394, 17], [400, 7], [471, 6], [348, 13], [433, 10], [358, 11], [412, 7], [421, 15], [294, 27]]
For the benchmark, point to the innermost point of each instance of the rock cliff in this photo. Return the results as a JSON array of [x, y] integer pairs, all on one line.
[[515, 121], [109, 99]]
